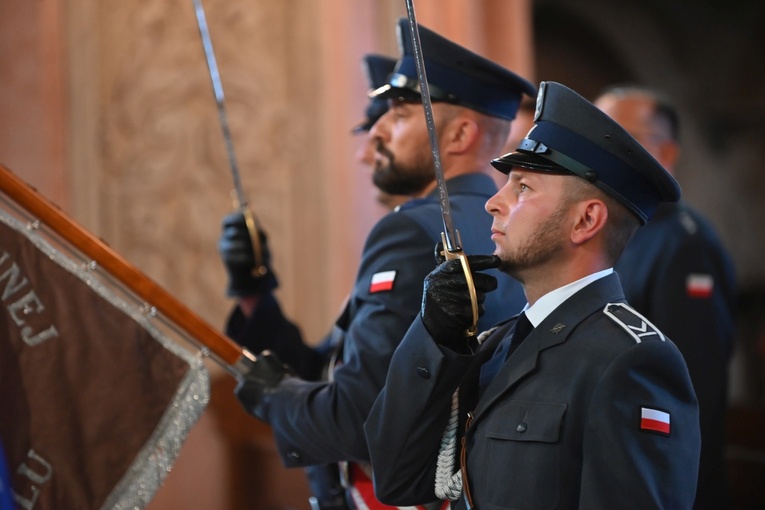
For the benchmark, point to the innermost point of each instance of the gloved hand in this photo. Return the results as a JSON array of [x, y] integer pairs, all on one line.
[[446, 310], [235, 248], [254, 388]]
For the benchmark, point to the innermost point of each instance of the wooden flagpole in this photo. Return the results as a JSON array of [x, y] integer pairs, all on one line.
[[222, 347]]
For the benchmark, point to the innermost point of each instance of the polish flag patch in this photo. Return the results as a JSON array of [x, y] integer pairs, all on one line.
[[382, 281], [654, 420], [699, 285]]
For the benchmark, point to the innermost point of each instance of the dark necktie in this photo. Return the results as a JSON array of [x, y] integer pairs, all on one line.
[[505, 348]]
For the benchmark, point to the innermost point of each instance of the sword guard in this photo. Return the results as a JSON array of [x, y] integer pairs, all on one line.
[[260, 268], [457, 253]]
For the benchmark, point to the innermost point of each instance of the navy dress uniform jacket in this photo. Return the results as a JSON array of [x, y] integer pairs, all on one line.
[[677, 273], [559, 427], [322, 422]]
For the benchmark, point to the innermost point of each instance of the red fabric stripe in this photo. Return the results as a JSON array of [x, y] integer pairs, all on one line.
[[656, 425], [363, 485], [699, 292], [380, 286]]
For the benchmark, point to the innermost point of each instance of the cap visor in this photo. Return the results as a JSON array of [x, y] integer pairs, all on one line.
[[390, 92], [528, 161], [362, 127]]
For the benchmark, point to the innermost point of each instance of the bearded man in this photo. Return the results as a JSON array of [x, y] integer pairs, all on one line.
[[474, 102]]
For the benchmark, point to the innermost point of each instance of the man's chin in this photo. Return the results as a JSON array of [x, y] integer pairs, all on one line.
[[506, 266]]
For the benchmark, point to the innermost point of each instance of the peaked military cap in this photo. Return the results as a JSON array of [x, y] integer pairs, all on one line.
[[377, 68], [455, 75], [572, 136]]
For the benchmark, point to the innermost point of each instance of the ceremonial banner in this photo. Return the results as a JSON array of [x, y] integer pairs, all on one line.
[[96, 392]]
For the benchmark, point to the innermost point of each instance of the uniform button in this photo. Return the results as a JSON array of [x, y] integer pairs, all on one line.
[[521, 427], [423, 372], [294, 455]]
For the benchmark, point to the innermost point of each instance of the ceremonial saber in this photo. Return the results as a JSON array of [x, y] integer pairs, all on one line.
[[450, 236], [240, 197], [228, 353]]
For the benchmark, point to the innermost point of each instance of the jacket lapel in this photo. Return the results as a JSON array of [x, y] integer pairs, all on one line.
[[553, 331], [468, 389]]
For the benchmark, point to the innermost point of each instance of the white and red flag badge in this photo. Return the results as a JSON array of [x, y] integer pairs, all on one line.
[[698, 285], [382, 281], [654, 420]]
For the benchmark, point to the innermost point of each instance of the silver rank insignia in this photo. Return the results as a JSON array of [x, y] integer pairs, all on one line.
[[637, 326]]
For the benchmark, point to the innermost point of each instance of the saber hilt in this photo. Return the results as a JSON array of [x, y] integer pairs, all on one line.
[[451, 255]]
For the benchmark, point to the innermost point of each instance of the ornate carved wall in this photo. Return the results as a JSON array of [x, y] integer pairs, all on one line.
[[149, 164], [166, 181]]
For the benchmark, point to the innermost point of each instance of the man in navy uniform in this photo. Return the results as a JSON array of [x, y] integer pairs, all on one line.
[[677, 273], [579, 402], [257, 321], [474, 102]]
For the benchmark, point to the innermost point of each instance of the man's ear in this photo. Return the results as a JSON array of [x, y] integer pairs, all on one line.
[[460, 135], [590, 218]]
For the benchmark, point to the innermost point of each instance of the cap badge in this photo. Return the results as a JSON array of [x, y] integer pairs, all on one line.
[[540, 101]]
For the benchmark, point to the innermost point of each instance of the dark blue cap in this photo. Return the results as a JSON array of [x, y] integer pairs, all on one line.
[[377, 69], [455, 75], [572, 136]]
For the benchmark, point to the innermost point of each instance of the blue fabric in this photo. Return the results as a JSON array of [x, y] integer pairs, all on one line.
[[557, 428], [322, 422], [635, 190], [493, 99], [505, 348], [570, 132], [455, 74], [6, 501]]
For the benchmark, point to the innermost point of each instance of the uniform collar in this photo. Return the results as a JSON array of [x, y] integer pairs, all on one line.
[[550, 301], [466, 184]]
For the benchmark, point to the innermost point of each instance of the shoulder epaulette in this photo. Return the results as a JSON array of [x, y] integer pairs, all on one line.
[[637, 326]]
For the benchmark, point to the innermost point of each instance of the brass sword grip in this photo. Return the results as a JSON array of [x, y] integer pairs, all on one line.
[[459, 254], [260, 268]]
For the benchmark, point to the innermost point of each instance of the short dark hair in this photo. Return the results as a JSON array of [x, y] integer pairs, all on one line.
[[622, 223]]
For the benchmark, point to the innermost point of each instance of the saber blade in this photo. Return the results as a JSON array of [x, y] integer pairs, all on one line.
[[240, 197], [217, 86], [452, 242], [450, 237]]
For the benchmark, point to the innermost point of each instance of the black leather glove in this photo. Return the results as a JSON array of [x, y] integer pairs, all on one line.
[[235, 247], [446, 310], [254, 388]]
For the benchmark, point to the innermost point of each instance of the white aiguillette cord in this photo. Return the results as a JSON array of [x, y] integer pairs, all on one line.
[[449, 482]]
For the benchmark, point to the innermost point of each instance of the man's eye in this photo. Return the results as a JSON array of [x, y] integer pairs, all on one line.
[[522, 187], [397, 113]]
